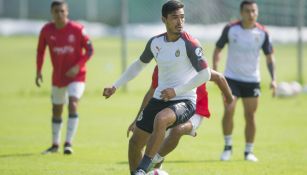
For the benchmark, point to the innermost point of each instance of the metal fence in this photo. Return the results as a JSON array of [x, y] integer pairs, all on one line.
[[272, 12]]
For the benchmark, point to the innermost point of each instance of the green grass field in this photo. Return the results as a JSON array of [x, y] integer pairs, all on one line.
[[101, 143]]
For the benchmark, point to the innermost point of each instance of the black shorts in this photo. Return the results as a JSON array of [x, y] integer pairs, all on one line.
[[184, 110], [244, 89]]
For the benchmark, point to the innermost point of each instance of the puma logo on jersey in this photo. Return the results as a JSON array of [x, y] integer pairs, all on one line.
[[158, 50]]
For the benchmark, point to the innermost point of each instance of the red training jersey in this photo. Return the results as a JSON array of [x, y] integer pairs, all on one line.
[[202, 107], [68, 46]]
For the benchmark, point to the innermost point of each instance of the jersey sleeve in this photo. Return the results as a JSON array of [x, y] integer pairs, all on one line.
[[195, 54], [155, 77], [267, 46], [224, 37], [147, 54], [40, 55], [87, 46]]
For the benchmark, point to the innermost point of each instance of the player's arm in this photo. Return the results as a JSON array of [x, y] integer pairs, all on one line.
[[133, 70], [267, 48], [147, 97], [88, 47], [221, 82], [149, 94], [40, 55], [219, 46], [271, 67], [201, 77], [216, 57]]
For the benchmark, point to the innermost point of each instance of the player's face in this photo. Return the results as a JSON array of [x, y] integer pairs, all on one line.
[[59, 13], [249, 14], [174, 22]]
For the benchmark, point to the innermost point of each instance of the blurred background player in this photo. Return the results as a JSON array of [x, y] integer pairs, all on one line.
[[66, 41], [245, 38], [188, 128]]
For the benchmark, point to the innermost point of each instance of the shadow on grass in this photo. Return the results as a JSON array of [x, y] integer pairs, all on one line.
[[17, 155]]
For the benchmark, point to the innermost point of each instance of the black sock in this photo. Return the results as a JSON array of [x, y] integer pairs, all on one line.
[[146, 161], [228, 147]]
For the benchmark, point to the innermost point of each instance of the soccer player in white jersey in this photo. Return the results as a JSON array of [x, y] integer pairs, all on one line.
[[182, 68], [245, 39]]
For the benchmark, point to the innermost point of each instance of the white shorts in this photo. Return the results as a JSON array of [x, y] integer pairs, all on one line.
[[196, 121], [60, 95]]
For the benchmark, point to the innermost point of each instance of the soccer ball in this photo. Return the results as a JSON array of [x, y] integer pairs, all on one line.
[[284, 89], [296, 87], [157, 172]]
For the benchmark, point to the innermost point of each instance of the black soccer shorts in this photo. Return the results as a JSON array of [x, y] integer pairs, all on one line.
[[184, 110], [244, 89]]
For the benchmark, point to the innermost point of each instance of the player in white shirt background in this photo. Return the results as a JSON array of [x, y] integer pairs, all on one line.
[[245, 39]]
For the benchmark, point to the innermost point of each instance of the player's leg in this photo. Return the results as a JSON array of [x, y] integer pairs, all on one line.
[[172, 140], [58, 96], [142, 133], [250, 106], [227, 121], [176, 113], [136, 144], [75, 92]]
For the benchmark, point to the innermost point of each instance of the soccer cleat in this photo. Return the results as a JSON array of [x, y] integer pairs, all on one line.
[[226, 155], [140, 172], [249, 156], [68, 149], [156, 162], [53, 149]]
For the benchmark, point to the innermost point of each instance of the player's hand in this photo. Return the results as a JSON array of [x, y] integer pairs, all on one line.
[[38, 79], [167, 94], [273, 86], [130, 128], [72, 72], [108, 91], [228, 99]]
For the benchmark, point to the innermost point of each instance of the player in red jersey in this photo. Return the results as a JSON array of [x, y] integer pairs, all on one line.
[[189, 127], [70, 48]]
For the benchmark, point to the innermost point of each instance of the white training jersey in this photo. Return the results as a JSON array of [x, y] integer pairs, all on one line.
[[178, 62], [243, 50]]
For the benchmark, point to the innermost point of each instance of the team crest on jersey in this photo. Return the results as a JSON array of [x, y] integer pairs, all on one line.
[[71, 38], [52, 38], [199, 51], [177, 53]]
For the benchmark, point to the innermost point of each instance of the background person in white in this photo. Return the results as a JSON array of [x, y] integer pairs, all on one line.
[[181, 69], [245, 38]]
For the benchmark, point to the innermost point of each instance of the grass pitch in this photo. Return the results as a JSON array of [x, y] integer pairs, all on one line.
[[101, 144]]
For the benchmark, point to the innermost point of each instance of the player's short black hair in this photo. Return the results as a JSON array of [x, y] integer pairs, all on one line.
[[57, 3], [171, 6], [246, 2]]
